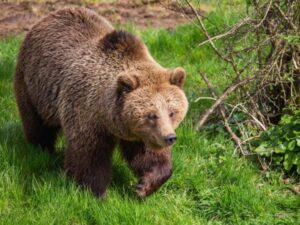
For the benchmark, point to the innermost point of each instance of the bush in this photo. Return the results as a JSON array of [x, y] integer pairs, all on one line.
[[282, 142]]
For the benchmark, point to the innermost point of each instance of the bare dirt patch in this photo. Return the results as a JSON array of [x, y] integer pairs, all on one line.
[[17, 17]]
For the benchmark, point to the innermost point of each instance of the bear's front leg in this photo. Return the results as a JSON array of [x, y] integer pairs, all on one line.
[[152, 167], [88, 160]]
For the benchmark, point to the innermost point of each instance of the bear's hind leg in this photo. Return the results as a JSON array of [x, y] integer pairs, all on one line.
[[153, 168], [35, 131], [88, 160]]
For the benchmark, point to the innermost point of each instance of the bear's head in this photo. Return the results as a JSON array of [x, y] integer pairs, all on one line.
[[153, 103]]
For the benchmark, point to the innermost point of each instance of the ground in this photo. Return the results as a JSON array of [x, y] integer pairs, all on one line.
[[210, 184], [17, 17]]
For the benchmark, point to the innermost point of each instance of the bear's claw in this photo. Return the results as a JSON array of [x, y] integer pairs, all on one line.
[[141, 190]]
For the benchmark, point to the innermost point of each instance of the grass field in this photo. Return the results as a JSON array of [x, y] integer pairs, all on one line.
[[210, 185]]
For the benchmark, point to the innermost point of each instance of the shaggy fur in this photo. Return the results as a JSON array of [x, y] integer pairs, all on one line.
[[101, 87]]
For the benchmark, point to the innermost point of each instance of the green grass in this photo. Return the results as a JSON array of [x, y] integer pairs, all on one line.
[[210, 185]]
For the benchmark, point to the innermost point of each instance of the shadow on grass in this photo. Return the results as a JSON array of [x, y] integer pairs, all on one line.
[[34, 163]]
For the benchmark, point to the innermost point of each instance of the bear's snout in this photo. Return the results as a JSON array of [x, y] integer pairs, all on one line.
[[170, 139]]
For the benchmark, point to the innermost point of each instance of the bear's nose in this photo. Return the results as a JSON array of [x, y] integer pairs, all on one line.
[[170, 139]]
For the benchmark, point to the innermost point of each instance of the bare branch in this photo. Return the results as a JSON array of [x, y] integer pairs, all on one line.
[[232, 30], [266, 14], [199, 19], [227, 91], [285, 18], [234, 137]]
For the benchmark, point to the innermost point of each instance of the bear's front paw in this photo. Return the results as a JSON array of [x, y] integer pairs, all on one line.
[[149, 183], [152, 181], [143, 188]]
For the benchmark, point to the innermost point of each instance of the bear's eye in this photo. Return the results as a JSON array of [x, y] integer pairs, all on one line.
[[171, 114], [152, 116]]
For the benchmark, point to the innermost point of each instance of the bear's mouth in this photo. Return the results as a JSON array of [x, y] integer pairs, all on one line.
[[153, 147], [156, 146], [155, 143]]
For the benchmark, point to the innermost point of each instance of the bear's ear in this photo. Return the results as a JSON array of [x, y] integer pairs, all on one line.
[[126, 83], [178, 77]]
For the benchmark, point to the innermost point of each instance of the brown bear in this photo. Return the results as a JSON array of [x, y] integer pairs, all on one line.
[[75, 72]]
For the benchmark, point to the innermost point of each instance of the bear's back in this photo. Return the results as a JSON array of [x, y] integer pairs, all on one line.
[[64, 31], [56, 40], [52, 48], [74, 25]]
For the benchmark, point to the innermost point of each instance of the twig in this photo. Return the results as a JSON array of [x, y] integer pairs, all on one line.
[[206, 33], [227, 91], [254, 118], [285, 18], [205, 98], [266, 14], [234, 137], [230, 32]]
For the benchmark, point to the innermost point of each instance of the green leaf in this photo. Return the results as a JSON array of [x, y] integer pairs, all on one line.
[[298, 142], [285, 119], [291, 145], [277, 159], [297, 133], [296, 158], [291, 159], [288, 161], [280, 148], [289, 135], [263, 150]]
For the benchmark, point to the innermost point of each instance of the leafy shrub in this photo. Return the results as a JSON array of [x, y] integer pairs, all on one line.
[[282, 142]]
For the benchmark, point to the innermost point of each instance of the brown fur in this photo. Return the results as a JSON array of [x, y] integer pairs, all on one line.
[[101, 87]]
